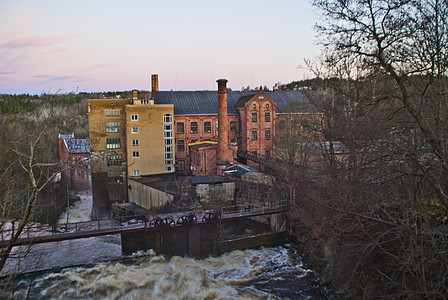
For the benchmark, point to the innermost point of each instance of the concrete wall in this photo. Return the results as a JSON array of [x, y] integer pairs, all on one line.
[[216, 195], [148, 197], [198, 241]]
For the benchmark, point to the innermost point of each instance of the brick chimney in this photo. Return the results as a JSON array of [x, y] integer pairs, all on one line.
[[134, 94], [222, 155], [155, 82]]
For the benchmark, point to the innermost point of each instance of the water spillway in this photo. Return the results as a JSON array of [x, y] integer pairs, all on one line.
[[266, 273]]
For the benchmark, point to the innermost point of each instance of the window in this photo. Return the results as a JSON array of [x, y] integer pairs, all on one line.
[[180, 166], [134, 117], [135, 154], [113, 143], [136, 172], [180, 145], [180, 128], [254, 117], [169, 169], [233, 126], [167, 118], [114, 160], [267, 153], [134, 130], [115, 176], [135, 143], [112, 112], [267, 117], [169, 155], [267, 135], [168, 142], [254, 153], [168, 127], [168, 134], [112, 126], [168, 162], [194, 127], [282, 125], [254, 135], [294, 125], [168, 149], [207, 127]]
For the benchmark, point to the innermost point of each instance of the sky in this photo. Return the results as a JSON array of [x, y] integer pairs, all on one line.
[[50, 46]]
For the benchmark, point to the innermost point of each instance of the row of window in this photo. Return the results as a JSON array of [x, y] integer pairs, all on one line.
[[207, 127], [267, 117], [112, 127], [167, 118], [267, 153], [180, 125], [168, 156], [113, 143], [168, 139], [112, 112], [267, 135]]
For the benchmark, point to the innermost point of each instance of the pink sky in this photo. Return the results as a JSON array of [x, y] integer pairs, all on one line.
[[109, 45]]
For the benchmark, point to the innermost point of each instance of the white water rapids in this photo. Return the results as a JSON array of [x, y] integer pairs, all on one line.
[[266, 273]]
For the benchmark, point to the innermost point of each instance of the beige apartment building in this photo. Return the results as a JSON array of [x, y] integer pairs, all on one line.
[[129, 137]]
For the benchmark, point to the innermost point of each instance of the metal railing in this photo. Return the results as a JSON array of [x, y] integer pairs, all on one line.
[[252, 208], [39, 230]]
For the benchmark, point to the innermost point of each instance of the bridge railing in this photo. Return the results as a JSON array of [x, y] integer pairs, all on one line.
[[36, 230], [39, 230], [251, 208]]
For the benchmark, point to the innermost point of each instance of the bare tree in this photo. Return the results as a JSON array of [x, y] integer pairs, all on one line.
[[25, 165], [408, 41]]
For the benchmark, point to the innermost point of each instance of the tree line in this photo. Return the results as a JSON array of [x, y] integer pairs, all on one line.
[[370, 198]]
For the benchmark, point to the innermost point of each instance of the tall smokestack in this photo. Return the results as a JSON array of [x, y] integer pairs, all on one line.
[[155, 82], [223, 133]]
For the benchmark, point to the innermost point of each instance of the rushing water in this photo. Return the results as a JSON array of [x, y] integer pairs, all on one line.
[[266, 273], [80, 211]]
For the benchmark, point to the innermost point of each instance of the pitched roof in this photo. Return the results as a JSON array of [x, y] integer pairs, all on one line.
[[77, 146], [206, 102]]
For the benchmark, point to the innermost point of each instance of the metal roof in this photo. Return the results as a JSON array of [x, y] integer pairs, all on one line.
[[165, 182], [77, 146], [66, 136], [206, 102]]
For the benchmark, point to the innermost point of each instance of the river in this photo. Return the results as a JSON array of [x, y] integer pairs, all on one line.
[[101, 272]]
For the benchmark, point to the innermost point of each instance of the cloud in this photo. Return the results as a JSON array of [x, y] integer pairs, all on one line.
[[34, 41], [45, 78]]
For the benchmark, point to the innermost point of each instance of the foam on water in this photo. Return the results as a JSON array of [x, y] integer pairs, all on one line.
[[154, 277], [79, 212]]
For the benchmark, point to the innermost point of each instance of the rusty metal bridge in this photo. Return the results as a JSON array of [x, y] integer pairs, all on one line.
[[35, 234]]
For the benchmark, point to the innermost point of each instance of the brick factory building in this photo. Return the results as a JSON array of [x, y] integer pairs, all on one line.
[[74, 157], [192, 132]]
